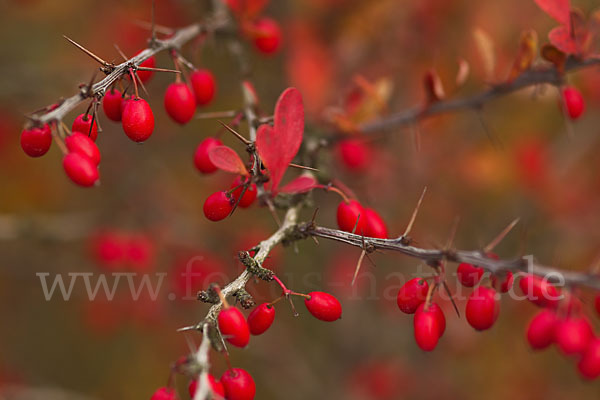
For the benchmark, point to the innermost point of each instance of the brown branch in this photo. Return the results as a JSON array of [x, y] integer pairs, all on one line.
[[114, 73], [532, 77], [475, 257]]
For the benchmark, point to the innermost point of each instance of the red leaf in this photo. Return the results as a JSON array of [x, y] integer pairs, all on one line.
[[561, 38], [301, 184], [557, 9], [278, 145], [227, 159]]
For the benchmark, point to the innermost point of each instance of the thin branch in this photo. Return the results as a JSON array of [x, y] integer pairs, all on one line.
[[203, 390], [114, 73], [265, 247], [474, 257], [532, 77]]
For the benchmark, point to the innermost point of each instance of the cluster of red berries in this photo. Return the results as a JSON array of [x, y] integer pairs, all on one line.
[[429, 319], [353, 217], [482, 308], [236, 383], [572, 332], [263, 32], [562, 322], [572, 102], [133, 112], [181, 101], [219, 205], [82, 155], [114, 249], [236, 330]]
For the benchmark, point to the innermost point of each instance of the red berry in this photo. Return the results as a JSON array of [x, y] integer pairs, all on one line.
[[180, 102], [572, 335], [355, 154], [215, 385], [482, 308], [539, 291], [238, 384], [164, 393], [469, 275], [323, 306], [573, 102], [597, 303], [375, 226], [111, 104], [261, 318], [249, 194], [218, 206], [505, 282], [108, 248], [266, 35], [429, 326], [412, 294], [81, 169], [201, 158], [572, 304], [540, 331], [233, 327], [589, 365], [138, 120], [348, 214], [82, 124], [124, 102], [140, 251], [80, 143], [204, 86], [147, 63], [36, 141]]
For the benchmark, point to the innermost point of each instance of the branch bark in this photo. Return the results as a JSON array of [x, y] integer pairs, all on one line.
[[434, 257], [114, 72], [203, 390], [532, 77]]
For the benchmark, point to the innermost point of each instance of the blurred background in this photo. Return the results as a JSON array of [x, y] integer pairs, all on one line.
[[515, 159]]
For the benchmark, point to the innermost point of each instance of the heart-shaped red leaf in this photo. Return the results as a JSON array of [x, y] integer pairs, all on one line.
[[557, 9], [301, 184], [278, 145], [561, 38], [227, 159]]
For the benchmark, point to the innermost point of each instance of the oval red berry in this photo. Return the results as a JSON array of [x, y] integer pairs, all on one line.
[[81, 169], [412, 294], [112, 104], [238, 384], [347, 216], [180, 103], [261, 318], [233, 327], [83, 124], [482, 308], [218, 206], [138, 120], [323, 306], [36, 142], [80, 143], [204, 86]]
